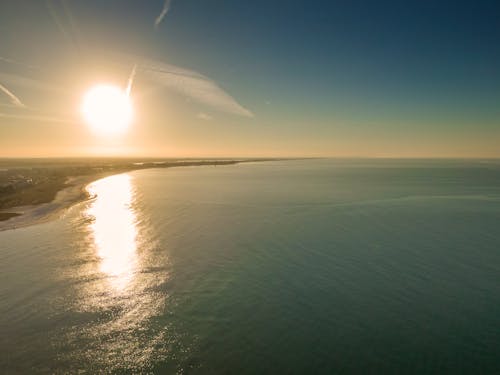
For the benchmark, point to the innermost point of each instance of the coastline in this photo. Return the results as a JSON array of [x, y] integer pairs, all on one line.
[[74, 191]]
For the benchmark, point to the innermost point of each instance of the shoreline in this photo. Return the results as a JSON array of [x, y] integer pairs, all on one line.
[[74, 191]]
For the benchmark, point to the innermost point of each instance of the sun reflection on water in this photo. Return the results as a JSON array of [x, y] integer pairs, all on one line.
[[118, 241], [114, 228]]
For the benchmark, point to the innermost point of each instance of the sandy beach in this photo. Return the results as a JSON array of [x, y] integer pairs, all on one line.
[[34, 214]]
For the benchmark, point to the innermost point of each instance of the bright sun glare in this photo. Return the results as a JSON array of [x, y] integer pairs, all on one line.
[[107, 109]]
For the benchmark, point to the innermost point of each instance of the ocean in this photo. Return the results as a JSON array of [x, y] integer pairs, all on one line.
[[299, 267]]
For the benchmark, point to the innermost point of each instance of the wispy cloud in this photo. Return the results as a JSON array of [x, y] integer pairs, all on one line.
[[13, 98], [21, 81], [131, 80], [57, 20], [193, 85], [15, 62], [71, 21], [204, 116], [163, 13], [41, 118], [62, 16]]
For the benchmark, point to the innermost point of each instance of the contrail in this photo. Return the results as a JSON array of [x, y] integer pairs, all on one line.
[[164, 11], [131, 80], [14, 99]]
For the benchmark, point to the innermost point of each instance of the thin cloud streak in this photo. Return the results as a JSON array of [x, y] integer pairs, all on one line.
[[15, 62], [36, 118], [131, 80], [13, 98], [204, 116], [72, 22], [54, 14], [17, 80], [163, 13], [193, 85]]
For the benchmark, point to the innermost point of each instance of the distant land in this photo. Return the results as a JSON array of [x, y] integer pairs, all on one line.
[[28, 184]]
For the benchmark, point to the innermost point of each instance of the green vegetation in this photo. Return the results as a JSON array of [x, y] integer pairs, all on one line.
[[42, 192]]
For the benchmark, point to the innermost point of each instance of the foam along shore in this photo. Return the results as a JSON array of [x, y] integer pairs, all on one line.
[[74, 191], [34, 214]]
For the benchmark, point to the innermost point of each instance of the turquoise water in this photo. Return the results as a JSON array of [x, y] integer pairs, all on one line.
[[319, 266]]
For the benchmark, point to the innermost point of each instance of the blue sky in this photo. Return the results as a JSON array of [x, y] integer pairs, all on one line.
[[335, 78]]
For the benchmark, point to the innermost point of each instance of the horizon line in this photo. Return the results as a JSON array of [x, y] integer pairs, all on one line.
[[252, 157]]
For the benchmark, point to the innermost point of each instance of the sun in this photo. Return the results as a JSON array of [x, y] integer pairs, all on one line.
[[107, 109]]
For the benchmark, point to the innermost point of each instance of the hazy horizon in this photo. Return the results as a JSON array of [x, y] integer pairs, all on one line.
[[235, 157]]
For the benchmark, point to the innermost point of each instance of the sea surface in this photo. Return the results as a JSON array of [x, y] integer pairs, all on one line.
[[295, 267]]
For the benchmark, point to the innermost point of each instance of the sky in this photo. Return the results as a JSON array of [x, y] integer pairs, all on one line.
[[217, 78]]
